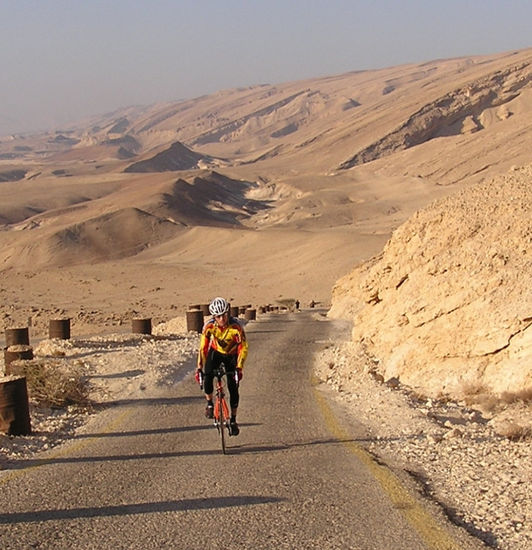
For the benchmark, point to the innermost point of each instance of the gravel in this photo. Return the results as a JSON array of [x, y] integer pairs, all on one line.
[[455, 452]]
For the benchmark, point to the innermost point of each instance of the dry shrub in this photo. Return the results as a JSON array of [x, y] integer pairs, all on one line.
[[513, 430], [487, 403], [523, 396], [477, 395], [53, 384], [473, 388], [443, 398]]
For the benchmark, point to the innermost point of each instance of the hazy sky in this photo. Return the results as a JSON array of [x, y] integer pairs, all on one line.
[[64, 59]]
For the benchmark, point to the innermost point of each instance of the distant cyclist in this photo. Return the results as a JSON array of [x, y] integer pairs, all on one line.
[[222, 340]]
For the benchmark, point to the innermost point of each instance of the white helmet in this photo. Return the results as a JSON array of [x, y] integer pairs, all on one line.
[[218, 306]]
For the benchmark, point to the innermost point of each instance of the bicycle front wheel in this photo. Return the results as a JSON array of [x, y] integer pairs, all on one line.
[[223, 422]]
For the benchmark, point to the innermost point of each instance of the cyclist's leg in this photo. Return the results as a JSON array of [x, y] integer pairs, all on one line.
[[232, 384], [234, 395], [208, 382]]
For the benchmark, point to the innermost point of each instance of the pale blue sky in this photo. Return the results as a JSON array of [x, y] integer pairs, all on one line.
[[64, 59]]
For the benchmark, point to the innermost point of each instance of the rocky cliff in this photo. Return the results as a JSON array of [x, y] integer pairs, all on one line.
[[446, 308]]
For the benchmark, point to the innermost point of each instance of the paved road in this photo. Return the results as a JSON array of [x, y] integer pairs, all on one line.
[[150, 474]]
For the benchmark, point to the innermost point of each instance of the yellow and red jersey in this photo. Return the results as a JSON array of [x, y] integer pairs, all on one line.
[[230, 340]]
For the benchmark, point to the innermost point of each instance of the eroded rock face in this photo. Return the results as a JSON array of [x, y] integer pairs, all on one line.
[[447, 306], [465, 110]]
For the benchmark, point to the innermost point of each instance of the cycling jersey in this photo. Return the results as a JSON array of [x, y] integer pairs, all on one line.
[[230, 340]]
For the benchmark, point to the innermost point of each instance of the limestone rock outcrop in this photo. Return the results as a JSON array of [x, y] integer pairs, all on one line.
[[447, 306]]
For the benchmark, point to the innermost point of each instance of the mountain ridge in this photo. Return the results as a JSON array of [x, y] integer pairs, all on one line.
[[282, 150]]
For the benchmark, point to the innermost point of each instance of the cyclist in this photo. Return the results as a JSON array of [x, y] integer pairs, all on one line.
[[222, 340]]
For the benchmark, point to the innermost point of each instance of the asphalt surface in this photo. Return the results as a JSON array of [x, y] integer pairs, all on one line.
[[150, 474]]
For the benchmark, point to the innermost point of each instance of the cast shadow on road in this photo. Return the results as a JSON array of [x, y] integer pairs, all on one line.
[[284, 446], [139, 508], [154, 431], [36, 462], [124, 374], [22, 464], [236, 449], [148, 401]]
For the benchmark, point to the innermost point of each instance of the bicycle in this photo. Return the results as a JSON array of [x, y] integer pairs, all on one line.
[[221, 416], [220, 413]]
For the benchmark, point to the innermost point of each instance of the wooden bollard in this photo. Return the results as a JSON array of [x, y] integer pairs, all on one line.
[[251, 314], [14, 353], [59, 328], [141, 326], [14, 407], [17, 336], [194, 320]]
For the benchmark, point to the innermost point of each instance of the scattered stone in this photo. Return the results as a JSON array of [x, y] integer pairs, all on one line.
[[479, 474], [393, 382]]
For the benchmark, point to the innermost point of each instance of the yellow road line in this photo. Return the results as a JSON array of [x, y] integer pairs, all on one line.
[[66, 451], [424, 523]]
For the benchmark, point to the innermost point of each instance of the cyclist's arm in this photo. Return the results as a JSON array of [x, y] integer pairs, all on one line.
[[205, 340], [242, 350]]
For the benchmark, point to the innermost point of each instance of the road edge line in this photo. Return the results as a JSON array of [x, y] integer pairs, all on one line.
[[425, 524]]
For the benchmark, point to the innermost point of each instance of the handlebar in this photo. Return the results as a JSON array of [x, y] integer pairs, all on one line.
[[219, 372]]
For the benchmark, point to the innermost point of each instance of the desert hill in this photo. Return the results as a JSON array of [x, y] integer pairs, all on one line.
[[350, 119], [176, 157], [266, 193], [108, 224]]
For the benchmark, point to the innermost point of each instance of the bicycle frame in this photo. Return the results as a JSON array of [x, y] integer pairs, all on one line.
[[221, 410]]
